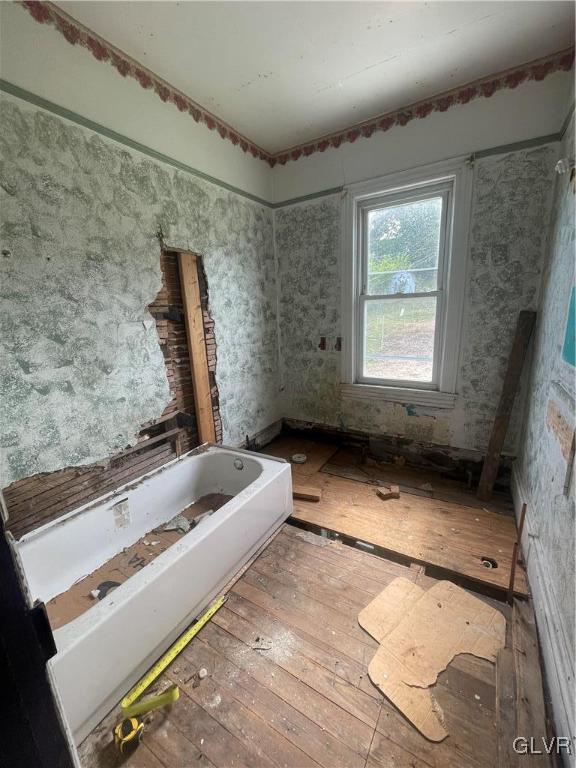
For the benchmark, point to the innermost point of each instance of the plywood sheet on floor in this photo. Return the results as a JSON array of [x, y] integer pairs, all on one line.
[[450, 535], [287, 682]]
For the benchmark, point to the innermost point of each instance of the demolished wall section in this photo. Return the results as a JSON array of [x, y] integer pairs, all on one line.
[[82, 367]]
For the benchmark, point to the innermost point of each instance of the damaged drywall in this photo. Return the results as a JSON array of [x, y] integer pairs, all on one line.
[[511, 205], [544, 472], [82, 368]]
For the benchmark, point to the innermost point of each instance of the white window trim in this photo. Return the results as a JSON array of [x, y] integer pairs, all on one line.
[[442, 393]]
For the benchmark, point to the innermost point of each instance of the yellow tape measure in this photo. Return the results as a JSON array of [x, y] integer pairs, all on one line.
[[130, 705]]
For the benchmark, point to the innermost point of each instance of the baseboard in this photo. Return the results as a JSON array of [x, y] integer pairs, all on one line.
[[554, 646], [461, 463], [262, 437]]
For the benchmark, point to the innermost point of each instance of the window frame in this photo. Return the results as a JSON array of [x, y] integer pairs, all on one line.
[[453, 178]]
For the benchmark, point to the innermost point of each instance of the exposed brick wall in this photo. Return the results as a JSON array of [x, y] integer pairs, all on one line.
[[210, 339]]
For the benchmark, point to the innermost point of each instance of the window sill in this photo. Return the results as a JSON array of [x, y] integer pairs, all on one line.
[[403, 395]]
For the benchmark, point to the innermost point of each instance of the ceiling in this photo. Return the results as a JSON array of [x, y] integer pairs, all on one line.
[[284, 73]]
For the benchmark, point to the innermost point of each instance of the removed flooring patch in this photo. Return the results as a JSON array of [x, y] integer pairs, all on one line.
[[430, 532], [453, 533], [420, 633]]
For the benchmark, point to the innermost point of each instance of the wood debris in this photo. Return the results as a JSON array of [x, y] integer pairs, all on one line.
[[388, 492], [306, 492]]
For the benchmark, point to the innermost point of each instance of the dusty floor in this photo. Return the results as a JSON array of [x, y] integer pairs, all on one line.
[[287, 682]]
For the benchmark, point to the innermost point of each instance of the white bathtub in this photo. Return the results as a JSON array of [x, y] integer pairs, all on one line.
[[103, 652]]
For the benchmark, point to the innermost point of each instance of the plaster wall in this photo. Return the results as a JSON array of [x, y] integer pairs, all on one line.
[[544, 472], [79, 260], [510, 212], [37, 58]]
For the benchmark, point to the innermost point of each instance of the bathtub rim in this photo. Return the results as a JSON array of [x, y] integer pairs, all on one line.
[[132, 484]]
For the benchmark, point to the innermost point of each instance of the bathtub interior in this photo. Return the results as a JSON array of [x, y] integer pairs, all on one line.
[[66, 551]]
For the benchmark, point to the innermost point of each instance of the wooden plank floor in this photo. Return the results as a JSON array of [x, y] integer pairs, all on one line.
[[287, 682], [423, 527]]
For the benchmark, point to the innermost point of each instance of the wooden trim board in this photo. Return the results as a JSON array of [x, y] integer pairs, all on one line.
[[188, 264]]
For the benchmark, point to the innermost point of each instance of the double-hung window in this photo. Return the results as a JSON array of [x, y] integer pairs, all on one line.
[[406, 263]]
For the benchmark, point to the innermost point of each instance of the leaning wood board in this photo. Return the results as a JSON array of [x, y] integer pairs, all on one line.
[[427, 531], [525, 324]]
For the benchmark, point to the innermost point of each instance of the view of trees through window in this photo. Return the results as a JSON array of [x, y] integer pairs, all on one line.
[[403, 249]]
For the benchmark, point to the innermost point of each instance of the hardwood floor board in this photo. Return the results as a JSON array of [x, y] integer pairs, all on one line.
[[349, 738], [394, 727], [472, 727], [299, 694], [287, 682], [283, 587], [243, 723], [385, 753], [359, 589], [318, 746], [350, 561], [506, 710], [326, 589], [468, 686], [281, 649], [314, 649], [530, 708], [308, 619], [171, 748], [213, 740]]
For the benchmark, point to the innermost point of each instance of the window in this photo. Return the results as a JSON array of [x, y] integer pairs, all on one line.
[[405, 260]]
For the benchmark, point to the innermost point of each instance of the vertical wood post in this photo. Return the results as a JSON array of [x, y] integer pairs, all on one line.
[[188, 264]]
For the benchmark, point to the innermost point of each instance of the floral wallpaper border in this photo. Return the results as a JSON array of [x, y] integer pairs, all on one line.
[[77, 34]]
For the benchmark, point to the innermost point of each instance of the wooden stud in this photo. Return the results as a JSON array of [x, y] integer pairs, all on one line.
[[188, 263], [524, 326]]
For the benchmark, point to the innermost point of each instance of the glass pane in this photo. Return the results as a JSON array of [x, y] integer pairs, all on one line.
[[403, 247], [399, 339]]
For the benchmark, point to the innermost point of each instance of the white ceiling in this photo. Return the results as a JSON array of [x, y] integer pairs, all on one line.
[[283, 73]]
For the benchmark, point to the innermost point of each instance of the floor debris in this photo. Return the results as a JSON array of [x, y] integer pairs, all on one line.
[[388, 492], [178, 523], [306, 492]]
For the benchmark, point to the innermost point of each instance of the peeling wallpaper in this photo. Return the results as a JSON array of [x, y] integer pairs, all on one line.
[[545, 468], [81, 365], [510, 213]]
